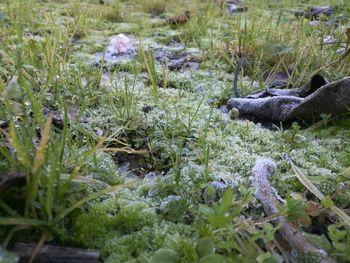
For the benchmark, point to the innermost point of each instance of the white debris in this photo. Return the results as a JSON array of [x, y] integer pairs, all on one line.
[[120, 44]]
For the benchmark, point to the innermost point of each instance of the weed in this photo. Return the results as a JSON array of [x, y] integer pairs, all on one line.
[[149, 64], [124, 103]]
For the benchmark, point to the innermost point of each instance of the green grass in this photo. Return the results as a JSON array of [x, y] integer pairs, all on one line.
[[165, 123]]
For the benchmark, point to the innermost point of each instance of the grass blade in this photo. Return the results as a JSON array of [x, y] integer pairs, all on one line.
[[313, 189], [91, 197], [22, 221]]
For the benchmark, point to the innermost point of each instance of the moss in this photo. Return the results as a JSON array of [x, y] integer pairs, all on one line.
[[111, 218], [183, 121]]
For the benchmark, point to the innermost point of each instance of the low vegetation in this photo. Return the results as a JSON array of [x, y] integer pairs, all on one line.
[[135, 156]]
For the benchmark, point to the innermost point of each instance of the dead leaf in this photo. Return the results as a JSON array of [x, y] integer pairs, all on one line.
[[313, 208]]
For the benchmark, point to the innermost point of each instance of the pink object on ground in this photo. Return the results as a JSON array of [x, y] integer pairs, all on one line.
[[121, 44]]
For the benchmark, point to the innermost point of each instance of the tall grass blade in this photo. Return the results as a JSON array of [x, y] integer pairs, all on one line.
[[5, 221], [313, 189]]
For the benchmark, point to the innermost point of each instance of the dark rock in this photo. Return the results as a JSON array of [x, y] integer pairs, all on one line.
[[55, 254], [237, 9], [11, 179], [279, 79], [235, 6], [184, 62], [147, 108], [150, 176], [316, 12], [299, 13], [4, 124]]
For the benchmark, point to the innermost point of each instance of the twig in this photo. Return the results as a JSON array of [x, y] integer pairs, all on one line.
[[38, 246], [340, 191], [236, 90], [331, 43], [11, 233], [262, 170]]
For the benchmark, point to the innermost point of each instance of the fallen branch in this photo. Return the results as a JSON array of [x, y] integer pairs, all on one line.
[[53, 253], [266, 194], [10, 179]]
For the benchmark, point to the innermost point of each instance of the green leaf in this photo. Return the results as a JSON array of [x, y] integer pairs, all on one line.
[[205, 210], [22, 154], [270, 231], [226, 201], [340, 246], [205, 246], [320, 241], [214, 258], [189, 251], [22, 221], [266, 258], [294, 208], [219, 220], [165, 255], [335, 234], [346, 172], [327, 202]]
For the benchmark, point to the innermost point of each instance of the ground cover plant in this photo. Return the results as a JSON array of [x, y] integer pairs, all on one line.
[[115, 135]]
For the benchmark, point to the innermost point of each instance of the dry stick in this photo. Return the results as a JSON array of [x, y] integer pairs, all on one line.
[[236, 90], [11, 233], [262, 170], [38, 246]]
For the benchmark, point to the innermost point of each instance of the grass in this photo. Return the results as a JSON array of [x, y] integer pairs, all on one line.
[[112, 13], [81, 134], [154, 7]]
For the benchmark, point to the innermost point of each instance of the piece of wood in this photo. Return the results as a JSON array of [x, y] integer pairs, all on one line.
[[55, 254], [307, 104], [266, 194], [236, 74]]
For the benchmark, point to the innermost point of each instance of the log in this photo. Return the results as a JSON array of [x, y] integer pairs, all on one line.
[[55, 254], [266, 194], [307, 103], [11, 179]]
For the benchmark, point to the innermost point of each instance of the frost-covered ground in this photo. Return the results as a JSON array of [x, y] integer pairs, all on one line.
[[153, 100]]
